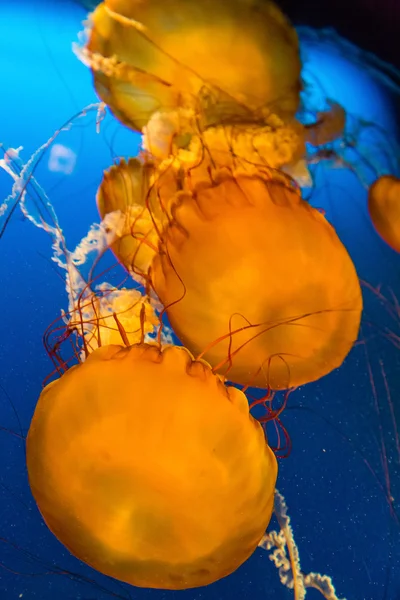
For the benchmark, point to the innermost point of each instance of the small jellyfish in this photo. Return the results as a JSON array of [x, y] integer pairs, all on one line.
[[133, 229], [149, 469], [328, 127], [384, 209], [110, 315], [62, 159]]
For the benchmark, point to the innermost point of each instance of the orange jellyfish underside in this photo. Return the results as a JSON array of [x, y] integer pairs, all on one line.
[[384, 209], [146, 467]]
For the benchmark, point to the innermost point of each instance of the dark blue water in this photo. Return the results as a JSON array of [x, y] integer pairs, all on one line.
[[342, 479]]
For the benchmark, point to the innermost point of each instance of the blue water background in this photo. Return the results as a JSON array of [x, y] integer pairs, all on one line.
[[334, 476]]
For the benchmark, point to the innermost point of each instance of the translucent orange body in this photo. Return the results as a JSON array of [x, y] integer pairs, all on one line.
[[258, 282], [384, 209], [158, 55], [149, 469], [121, 197]]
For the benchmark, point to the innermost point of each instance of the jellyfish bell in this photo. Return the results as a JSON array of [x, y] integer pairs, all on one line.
[[149, 469], [384, 209], [251, 277], [257, 282], [121, 201], [162, 54], [135, 197]]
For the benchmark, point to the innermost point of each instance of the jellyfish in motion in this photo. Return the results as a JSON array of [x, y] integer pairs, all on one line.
[[109, 315], [164, 54], [252, 277], [258, 282], [132, 227], [148, 468], [384, 209], [172, 60]]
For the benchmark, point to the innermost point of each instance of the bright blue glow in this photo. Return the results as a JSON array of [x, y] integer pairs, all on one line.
[[333, 69]]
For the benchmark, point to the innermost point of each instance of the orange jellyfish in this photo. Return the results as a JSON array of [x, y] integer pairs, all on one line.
[[384, 209], [161, 55], [149, 469], [133, 229], [165, 68], [252, 277], [257, 282]]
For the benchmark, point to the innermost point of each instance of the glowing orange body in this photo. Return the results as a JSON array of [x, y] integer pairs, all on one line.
[[149, 469], [384, 209], [158, 55], [259, 282]]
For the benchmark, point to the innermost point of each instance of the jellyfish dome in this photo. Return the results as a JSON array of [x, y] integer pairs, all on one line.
[[384, 209], [120, 201], [159, 55], [148, 468], [257, 282]]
